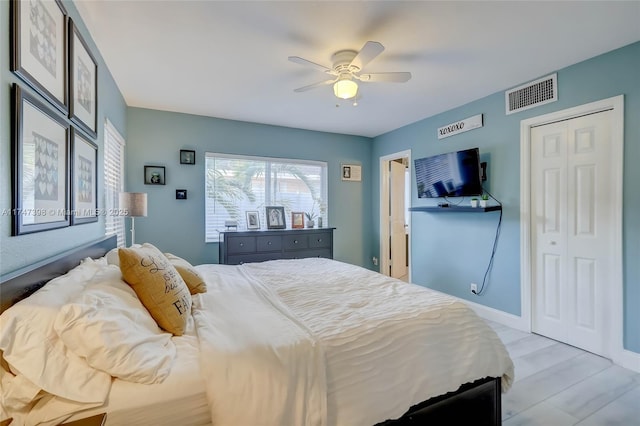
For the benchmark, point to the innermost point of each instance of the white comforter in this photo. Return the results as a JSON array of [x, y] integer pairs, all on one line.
[[316, 341]]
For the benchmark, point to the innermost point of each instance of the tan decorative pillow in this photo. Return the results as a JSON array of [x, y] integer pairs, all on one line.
[[194, 280], [158, 286]]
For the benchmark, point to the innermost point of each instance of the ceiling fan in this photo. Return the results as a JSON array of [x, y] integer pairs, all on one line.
[[347, 68]]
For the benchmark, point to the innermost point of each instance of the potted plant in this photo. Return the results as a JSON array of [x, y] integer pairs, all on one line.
[[483, 200], [310, 219], [474, 202]]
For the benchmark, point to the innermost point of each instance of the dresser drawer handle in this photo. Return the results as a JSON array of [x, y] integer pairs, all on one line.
[[319, 240], [241, 244], [268, 243], [295, 241]]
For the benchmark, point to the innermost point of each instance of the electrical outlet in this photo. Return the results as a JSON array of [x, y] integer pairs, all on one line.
[[375, 261], [474, 288]]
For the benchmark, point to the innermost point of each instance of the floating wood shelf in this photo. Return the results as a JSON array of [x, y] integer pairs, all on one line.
[[456, 209]]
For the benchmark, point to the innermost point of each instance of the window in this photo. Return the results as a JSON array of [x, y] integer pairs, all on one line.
[[113, 180], [236, 184]]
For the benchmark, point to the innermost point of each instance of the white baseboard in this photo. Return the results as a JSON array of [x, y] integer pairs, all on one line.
[[629, 360], [624, 358], [495, 315], [501, 317]]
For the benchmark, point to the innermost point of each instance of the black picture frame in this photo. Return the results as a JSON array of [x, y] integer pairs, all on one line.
[[154, 175], [187, 157], [40, 166], [275, 217], [181, 194], [84, 178], [39, 49], [83, 83], [253, 219]]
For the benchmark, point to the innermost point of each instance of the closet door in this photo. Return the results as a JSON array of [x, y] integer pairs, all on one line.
[[571, 242]]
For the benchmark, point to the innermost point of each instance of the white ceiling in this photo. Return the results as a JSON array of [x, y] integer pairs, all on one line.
[[229, 59]]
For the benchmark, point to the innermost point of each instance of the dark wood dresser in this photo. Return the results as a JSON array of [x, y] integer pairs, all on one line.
[[237, 247]]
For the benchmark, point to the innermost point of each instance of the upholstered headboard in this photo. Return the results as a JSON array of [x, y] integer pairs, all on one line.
[[21, 283]]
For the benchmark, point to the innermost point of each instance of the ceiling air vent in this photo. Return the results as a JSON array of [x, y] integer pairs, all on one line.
[[533, 94]]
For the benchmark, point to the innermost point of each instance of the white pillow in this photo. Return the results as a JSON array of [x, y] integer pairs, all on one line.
[[112, 255], [109, 327], [32, 347]]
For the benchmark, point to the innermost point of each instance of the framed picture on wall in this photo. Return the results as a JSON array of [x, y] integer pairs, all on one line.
[[275, 217], [40, 166], [351, 172], [187, 156], [84, 175], [154, 175], [39, 48], [83, 83]]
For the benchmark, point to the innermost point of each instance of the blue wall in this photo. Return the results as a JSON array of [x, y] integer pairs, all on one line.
[[16, 252], [449, 251], [156, 137]]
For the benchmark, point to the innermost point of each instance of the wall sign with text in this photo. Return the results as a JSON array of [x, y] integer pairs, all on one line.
[[460, 126]]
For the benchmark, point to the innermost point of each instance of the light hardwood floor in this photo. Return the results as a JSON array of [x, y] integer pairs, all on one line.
[[560, 385]]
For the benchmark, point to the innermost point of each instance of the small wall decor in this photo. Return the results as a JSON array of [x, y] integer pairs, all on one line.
[[40, 166], [297, 219], [275, 217], [83, 83], [181, 194], [351, 172], [39, 48], [154, 175], [460, 126], [253, 220], [187, 156], [84, 166]]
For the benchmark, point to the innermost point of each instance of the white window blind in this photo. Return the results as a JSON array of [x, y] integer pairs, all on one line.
[[113, 181], [236, 184]]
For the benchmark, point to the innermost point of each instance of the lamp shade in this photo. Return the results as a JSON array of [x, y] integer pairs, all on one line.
[[345, 88], [134, 203]]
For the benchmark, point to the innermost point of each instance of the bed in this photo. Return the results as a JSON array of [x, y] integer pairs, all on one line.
[[309, 341]]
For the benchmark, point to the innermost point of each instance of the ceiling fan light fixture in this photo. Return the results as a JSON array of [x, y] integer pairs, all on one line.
[[345, 88]]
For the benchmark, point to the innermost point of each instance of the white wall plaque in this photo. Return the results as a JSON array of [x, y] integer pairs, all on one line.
[[351, 172], [460, 126]]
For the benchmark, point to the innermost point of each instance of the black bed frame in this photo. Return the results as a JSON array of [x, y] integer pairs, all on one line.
[[477, 403], [21, 283]]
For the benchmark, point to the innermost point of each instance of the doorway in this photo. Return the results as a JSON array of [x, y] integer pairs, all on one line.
[[395, 200], [571, 211]]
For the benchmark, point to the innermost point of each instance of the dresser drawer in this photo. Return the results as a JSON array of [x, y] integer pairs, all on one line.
[[303, 254], [241, 245], [239, 259], [269, 243], [295, 242], [320, 240]]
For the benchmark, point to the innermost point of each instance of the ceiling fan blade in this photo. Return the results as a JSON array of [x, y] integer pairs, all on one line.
[[314, 85], [301, 61], [369, 51], [388, 77]]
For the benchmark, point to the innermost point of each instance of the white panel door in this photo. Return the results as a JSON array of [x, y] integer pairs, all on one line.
[[397, 220], [571, 237]]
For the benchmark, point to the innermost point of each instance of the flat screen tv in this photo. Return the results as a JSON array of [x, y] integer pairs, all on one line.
[[454, 174]]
